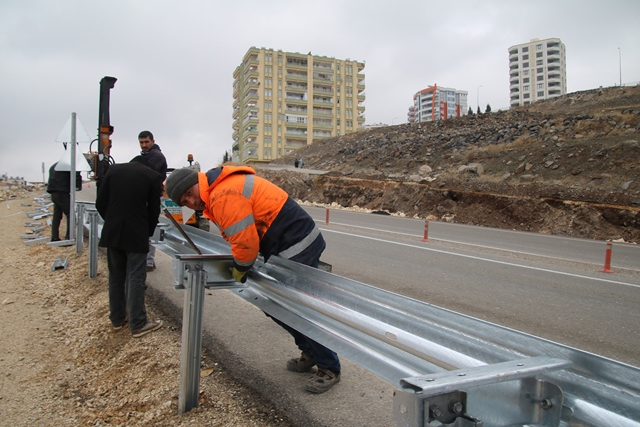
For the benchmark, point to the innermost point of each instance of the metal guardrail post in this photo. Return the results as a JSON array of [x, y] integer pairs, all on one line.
[[93, 241], [80, 208], [191, 338], [194, 273]]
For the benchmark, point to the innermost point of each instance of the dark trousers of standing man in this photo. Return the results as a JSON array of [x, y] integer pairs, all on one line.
[[127, 276], [61, 204]]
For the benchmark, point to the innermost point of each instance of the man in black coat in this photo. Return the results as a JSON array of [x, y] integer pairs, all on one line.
[[59, 186], [129, 202], [152, 156]]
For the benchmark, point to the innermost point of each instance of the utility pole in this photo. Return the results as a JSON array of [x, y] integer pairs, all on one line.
[[620, 64]]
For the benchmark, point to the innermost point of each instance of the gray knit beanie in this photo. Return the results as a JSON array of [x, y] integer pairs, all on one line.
[[179, 181]]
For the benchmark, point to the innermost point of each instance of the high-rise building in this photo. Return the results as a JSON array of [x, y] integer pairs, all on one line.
[[438, 103], [537, 70], [283, 101]]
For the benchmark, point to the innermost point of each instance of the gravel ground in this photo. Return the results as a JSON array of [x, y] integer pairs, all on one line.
[[61, 363]]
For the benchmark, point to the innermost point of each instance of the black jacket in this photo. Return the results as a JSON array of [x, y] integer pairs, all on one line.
[[156, 160], [129, 202], [61, 181]]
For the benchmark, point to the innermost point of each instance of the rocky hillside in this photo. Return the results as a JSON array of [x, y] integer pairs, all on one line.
[[570, 165]]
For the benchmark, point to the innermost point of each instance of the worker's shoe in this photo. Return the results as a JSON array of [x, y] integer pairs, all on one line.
[[148, 328], [322, 381], [304, 363], [121, 325], [151, 267]]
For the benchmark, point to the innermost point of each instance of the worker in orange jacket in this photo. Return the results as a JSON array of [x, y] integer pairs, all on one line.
[[256, 216]]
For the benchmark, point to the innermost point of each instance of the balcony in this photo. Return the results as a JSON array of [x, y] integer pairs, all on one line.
[[296, 87], [323, 66], [513, 51], [361, 107], [323, 89], [251, 83], [300, 63], [325, 123], [553, 60], [251, 117], [253, 94], [295, 97], [323, 112], [295, 133], [553, 52], [361, 96], [553, 44], [319, 134], [514, 80], [296, 109], [235, 135], [295, 143], [250, 72], [515, 97], [514, 66], [361, 119], [322, 77], [236, 113], [515, 90], [298, 76], [554, 77], [322, 100], [555, 92], [513, 59]]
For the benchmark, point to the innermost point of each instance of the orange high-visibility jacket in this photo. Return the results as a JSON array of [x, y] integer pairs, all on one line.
[[243, 206]]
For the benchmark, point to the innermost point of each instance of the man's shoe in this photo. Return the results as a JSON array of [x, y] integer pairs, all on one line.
[[151, 267], [304, 363], [120, 326], [148, 328], [322, 381]]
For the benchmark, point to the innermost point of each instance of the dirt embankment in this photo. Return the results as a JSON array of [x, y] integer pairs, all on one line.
[[569, 165]]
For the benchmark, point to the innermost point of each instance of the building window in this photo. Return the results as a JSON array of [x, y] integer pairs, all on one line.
[[525, 49], [525, 73], [540, 93], [540, 86], [525, 57], [539, 55], [540, 78], [267, 129], [268, 69], [526, 95], [525, 80], [526, 87], [267, 117], [525, 65], [539, 62], [538, 47], [268, 105], [540, 70]]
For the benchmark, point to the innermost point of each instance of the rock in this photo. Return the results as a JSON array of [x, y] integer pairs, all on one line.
[[626, 185], [527, 178], [425, 169]]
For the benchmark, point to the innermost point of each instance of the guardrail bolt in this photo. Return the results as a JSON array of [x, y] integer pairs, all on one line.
[[546, 403], [435, 410], [455, 407]]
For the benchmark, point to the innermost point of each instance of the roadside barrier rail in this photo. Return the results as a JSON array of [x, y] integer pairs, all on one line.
[[450, 369]]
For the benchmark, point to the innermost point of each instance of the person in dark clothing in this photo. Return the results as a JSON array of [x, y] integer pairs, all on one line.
[[257, 217], [129, 202], [153, 157], [59, 186]]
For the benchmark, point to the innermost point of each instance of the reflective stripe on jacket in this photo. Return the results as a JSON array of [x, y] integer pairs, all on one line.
[[256, 216]]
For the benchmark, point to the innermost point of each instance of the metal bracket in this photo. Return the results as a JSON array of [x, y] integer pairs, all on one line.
[[501, 394], [60, 263]]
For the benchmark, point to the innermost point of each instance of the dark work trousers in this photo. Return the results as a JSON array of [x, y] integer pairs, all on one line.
[[127, 276], [61, 204]]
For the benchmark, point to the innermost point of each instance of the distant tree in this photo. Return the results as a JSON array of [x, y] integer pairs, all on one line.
[[226, 157], [479, 111], [470, 112], [488, 110]]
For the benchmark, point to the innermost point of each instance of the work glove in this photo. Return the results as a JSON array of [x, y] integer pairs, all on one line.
[[240, 276]]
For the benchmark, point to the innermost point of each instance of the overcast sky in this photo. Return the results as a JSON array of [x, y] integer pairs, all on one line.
[[174, 61]]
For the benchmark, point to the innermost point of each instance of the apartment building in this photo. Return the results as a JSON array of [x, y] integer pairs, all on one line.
[[283, 101], [437, 103], [537, 70]]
